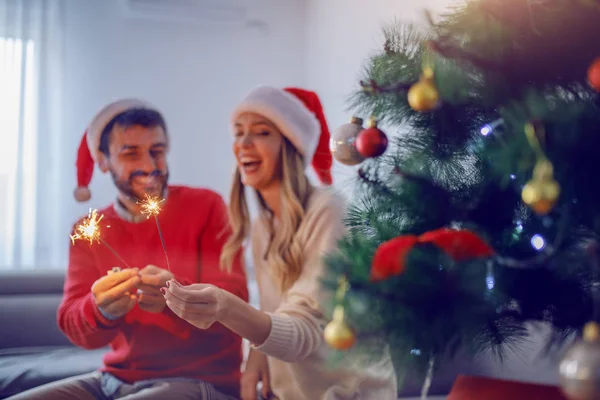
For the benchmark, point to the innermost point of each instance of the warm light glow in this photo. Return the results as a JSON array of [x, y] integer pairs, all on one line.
[[89, 228], [151, 206]]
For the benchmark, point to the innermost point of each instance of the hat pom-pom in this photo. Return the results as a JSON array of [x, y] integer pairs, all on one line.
[[82, 194]]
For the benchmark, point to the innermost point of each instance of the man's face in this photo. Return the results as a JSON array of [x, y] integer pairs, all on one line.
[[137, 161]]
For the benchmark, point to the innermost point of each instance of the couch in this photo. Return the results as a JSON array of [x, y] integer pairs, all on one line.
[[33, 351]]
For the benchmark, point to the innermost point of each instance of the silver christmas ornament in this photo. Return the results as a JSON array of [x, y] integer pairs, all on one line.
[[342, 143], [580, 367]]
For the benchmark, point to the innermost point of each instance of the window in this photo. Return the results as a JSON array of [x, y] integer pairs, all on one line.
[[18, 152]]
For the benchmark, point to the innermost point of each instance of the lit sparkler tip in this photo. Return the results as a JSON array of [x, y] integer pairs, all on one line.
[[89, 228], [151, 206]]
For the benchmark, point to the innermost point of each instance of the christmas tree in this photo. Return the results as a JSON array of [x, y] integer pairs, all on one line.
[[482, 215]]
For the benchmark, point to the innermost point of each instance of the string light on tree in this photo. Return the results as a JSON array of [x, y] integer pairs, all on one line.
[[489, 128], [538, 242]]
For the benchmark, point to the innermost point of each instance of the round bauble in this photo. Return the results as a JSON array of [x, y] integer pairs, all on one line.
[[542, 191], [343, 142], [423, 95], [593, 74], [337, 333], [371, 142], [541, 195], [579, 369]]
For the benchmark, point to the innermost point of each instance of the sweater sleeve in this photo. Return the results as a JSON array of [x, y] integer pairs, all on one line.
[[212, 240], [78, 316], [298, 323]]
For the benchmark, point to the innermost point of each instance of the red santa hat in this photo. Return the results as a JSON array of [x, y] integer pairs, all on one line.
[[88, 153], [298, 114]]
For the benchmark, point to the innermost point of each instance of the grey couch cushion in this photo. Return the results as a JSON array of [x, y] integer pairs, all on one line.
[[30, 320], [25, 368], [28, 303], [33, 351], [36, 281]]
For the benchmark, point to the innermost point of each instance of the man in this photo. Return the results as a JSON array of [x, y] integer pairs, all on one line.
[[154, 354]]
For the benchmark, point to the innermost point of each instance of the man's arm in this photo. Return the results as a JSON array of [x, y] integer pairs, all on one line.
[[78, 316]]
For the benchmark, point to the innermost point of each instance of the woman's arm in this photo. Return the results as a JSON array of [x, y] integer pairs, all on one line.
[[295, 329], [243, 319]]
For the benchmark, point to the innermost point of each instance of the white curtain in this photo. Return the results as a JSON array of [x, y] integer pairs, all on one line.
[[31, 54]]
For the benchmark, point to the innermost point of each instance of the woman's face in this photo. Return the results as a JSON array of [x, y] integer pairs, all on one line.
[[257, 149]]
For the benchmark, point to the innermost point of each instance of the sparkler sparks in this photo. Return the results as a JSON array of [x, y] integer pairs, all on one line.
[[89, 229], [151, 208]]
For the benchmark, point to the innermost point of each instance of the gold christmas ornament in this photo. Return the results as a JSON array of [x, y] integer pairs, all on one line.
[[337, 333], [343, 142], [542, 191], [423, 95], [580, 367]]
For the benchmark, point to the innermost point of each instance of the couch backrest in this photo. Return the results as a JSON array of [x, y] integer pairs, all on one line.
[[28, 304]]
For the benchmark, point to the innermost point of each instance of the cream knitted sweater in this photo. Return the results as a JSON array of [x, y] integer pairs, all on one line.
[[295, 347]]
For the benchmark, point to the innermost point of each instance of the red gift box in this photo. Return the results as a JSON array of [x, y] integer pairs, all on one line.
[[480, 388]]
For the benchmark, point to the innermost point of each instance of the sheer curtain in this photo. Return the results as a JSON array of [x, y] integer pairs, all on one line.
[[30, 133]]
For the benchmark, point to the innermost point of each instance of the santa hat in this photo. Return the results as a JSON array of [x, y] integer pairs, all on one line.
[[89, 148], [298, 114]]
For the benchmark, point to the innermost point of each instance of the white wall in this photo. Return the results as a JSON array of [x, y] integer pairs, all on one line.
[[193, 72]]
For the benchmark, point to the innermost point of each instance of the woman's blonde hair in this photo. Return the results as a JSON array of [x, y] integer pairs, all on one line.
[[284, 254]]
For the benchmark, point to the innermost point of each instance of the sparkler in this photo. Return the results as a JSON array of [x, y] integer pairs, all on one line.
[[89, 229], [151, 208]]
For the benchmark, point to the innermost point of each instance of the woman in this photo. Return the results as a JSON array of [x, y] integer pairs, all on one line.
[[278, 133]]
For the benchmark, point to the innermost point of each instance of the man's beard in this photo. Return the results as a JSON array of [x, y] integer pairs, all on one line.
[[126, 186]]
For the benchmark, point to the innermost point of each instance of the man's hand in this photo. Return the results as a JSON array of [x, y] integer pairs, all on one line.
[[149, 296], [113, 293], [257, 370]]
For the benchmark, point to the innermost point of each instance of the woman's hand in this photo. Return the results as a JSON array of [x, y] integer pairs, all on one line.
[[199, 304], [257, 370], [202, 305]]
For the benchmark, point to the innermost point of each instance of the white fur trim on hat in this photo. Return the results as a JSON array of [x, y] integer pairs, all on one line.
[[289, 114], [104, 116]]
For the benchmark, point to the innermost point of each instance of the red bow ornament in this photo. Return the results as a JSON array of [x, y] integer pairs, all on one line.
[[461, 245]]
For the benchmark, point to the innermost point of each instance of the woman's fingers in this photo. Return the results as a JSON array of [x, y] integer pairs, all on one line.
[[191, 311], [196, 294]]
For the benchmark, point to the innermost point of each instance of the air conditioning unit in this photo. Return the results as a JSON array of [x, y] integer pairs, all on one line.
[[214, 12]]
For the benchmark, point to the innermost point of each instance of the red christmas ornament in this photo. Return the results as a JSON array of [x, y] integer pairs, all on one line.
[[593, 74], [461, 245], [371, 142]]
